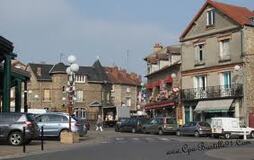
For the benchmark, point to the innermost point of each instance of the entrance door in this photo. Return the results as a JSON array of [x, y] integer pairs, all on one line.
[[251, 120], [187, 116]]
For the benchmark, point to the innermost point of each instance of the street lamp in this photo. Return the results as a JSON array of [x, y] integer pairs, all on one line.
[[71, 70]]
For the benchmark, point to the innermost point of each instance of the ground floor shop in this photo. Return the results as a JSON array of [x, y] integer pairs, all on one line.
[[205, 110], [161, 109]]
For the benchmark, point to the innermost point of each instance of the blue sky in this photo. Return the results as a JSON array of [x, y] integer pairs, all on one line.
[[42, 29]]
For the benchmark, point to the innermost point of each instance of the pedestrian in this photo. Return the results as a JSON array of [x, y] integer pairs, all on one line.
[[99, 123]]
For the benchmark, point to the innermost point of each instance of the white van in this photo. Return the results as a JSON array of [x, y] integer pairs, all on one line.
[[35, 110], [228, 127]]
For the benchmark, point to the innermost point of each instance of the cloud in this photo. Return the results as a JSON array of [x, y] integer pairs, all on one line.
[[41, 30]]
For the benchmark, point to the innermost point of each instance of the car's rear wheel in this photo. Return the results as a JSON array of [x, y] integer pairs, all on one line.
[[144, 130], [178, 133], [196, 134], [252, 134], [16, 138], [133, 130], [227, 135]]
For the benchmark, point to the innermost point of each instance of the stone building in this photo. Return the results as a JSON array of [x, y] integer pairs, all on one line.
[[163, 82], [125, 88], [48, 84], [217, 63]]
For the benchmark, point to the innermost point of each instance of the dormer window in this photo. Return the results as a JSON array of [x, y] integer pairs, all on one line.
[[39, 71], [128, 90], [80, 79], [210, 17]]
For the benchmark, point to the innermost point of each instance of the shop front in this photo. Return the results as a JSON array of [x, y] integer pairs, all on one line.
[[161, 109]]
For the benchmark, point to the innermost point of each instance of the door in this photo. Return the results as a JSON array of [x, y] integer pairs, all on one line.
[[192, 128], [50, 124]]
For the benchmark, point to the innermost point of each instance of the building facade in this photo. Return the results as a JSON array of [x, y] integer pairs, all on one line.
[[214, 68], [48, 85], [163, 82], [125, 88]]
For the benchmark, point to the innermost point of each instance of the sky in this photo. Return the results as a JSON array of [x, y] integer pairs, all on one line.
[[118, 32]]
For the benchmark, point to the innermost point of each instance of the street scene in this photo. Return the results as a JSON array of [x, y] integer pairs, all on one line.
[[122, 80]]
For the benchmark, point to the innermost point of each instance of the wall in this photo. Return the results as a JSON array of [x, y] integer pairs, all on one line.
[[248, 50]]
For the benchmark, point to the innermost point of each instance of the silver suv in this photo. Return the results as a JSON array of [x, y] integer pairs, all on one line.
[[56, 122], [11, 128]]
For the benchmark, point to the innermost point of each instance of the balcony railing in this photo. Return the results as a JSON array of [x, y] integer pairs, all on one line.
[[211, 92]]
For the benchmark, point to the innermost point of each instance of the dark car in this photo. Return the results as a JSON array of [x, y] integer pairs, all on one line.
[[11, 128], [195, 128], [134, 124], [161, 125], [120, 122]]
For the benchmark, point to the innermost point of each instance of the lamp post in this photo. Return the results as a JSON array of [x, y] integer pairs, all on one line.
[[71, 70]]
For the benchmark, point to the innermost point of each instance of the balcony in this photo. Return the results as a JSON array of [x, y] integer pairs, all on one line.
[[213, 92]]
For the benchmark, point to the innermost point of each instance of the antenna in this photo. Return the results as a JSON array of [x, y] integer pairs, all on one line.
[[61, 56], [127, 59]]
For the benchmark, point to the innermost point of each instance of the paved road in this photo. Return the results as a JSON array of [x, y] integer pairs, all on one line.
[[145, 147], [125, 148]]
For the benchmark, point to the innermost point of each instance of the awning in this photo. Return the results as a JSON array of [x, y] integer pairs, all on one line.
[[214, 105]]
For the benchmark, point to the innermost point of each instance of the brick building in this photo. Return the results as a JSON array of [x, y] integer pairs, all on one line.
[[48, 83], [125, 87]]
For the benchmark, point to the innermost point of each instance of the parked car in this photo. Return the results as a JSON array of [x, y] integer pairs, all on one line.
[[160, 125], [120, 122], [229, 127], [57, 122], [134, 124], [11, 128], [195, 128]]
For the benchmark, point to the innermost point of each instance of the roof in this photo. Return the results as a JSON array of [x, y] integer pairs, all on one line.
[[240, 15], [164, 53], [118, 76], [45, 68], [95, 73], [58, 68]]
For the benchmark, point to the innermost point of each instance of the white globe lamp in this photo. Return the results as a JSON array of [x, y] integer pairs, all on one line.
[[237, 67], [74, 67], [71, 59]]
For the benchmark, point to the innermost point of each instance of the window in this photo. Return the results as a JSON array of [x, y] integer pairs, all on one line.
[[80, 113], [200, 86], [199, 58], [46, 95], [128, 90], [113, 88], [226, 84], [128, 101], [210, 15], [224, 50], [80, 78], [200, 82], [79, 96]]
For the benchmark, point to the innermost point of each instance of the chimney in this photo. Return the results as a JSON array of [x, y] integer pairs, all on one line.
[[157, 47], [39, 71]]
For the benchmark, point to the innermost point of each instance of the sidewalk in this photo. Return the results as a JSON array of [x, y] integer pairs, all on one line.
[[51, 145]]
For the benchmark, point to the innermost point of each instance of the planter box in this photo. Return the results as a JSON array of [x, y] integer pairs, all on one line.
[[69, 137]]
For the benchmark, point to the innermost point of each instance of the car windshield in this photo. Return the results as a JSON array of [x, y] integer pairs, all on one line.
[[204, 124]]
